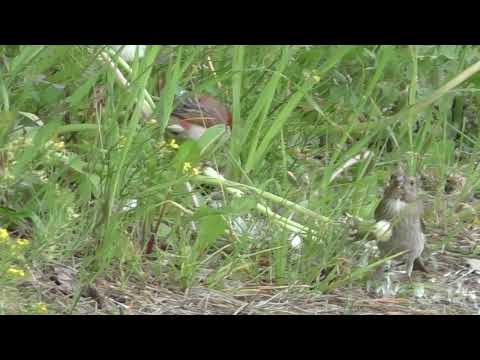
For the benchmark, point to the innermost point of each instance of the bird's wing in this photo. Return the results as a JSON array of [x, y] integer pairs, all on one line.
[[420, 208], [381, 212], [424, 227], [203, 111], [420, 211]]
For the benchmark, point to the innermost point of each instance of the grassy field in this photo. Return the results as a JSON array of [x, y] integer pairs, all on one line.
[[89, 175]]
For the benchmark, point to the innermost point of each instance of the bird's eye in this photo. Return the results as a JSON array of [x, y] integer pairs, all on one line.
[[412, 182]]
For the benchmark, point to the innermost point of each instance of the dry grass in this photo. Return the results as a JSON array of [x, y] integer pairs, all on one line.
[[452, 287]]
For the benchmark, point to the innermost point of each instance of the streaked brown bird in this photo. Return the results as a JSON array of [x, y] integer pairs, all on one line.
[[196, 114], [401, 208]]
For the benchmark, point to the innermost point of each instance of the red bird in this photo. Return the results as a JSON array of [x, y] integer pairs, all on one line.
[[195, 114]]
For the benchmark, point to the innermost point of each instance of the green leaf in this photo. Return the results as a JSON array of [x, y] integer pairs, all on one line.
[[44, 134], [449, 51], [256, 156], [8, 215], [27, 54], [205, 211], [211, 227], [238, 61], [237, 207], [75, 163], [81, 93], [211, 140], [189, 152], [243, 205], [8, 119], [261, 108]]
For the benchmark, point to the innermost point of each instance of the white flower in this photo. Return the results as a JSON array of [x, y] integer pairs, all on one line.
[[296, 241], [128, 51], [383, 230], [130, 205], [419, 291], [208, 171]]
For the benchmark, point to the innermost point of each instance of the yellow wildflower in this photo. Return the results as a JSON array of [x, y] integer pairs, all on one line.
[[4, 234], [59, 145], [40, 308], [173, 144], [186, 167], [16, 272], [160, 145], [23, 242]]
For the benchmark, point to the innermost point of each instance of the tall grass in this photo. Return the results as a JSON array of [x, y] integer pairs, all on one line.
[[301, 114]]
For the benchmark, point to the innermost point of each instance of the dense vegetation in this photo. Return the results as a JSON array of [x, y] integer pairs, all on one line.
[[89, 177]]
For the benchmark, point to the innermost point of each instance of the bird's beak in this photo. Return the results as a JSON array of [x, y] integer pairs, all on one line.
[[176, 128]]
